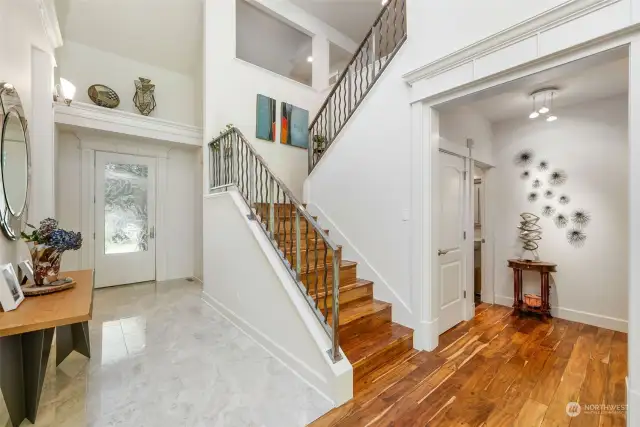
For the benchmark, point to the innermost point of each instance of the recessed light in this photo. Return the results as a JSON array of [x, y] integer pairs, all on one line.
[[309, 58], [552, 118]]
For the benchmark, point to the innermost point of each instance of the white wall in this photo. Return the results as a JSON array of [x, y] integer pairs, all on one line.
[[458, 23], [248, 284], [360, 191], [175, 93], [589, 142], [21, 23], [21, 28], [231, 86], [181, 215], [464, 123]]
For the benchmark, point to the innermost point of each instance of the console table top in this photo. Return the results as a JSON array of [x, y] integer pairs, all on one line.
[[58, 309], [532, 265]]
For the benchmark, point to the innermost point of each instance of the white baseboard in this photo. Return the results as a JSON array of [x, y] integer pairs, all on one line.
[[577, 316], [426, 335], [298, 367], [382, 290]]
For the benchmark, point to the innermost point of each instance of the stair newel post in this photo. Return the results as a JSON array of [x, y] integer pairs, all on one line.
[[271, 208], [335, 345], [298, 252]]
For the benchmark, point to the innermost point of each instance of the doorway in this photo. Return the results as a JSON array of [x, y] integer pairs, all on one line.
[[478, 237], [451, 252], [125, 206]]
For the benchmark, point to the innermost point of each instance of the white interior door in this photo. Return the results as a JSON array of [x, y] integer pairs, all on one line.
[[125, 206], [451, 254]]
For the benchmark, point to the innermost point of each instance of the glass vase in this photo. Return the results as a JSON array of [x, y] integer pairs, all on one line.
[[46, 263]]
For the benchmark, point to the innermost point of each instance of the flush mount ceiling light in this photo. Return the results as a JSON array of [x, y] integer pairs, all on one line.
[[546, 95]]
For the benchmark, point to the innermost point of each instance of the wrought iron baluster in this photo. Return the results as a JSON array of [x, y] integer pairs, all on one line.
[[271, 209], [307, 242], [279, 219], [315, 269], [291, 231], [298, 248], [335, 335], [324, 280]]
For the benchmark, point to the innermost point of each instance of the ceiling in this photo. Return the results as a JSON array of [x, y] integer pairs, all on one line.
[[352, 18], [165, 33], [598, 76]]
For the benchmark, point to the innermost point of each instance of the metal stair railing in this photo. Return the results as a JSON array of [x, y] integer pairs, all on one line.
[[382, 42], [286, 222]]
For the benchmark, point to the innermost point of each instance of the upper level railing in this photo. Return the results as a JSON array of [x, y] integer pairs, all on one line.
[[382, 42], [310, 256]]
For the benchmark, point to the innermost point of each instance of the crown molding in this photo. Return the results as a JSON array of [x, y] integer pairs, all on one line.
[[50, 23], [90, 116], [552, 18]]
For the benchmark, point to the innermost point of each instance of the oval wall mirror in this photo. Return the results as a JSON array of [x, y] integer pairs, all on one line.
[[14, 163]]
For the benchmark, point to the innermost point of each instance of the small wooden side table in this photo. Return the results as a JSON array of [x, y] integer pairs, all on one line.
[[544, 268]]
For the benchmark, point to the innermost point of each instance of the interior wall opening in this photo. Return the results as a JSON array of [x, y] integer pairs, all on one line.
[[553, 188]]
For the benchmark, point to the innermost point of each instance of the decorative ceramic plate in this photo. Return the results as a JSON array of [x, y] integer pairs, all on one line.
[[103, 96]]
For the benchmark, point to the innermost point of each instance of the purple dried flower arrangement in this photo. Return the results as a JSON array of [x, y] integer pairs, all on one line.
[[46, 244]]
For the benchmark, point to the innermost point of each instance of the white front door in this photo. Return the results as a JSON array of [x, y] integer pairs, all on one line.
[[125, 206], [451, 259]]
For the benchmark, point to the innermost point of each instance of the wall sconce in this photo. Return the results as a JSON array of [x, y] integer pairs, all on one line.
[[65, 91]]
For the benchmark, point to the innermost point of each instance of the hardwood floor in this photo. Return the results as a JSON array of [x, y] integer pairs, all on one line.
[[496, 370]]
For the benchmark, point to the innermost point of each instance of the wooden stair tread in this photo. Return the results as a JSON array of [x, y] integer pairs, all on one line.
[[358, 310], [312, 268], [348, 287], [363, 346]]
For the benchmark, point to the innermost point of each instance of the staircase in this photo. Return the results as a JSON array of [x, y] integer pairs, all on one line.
[[354, 321], [368, 337], [383, 40]]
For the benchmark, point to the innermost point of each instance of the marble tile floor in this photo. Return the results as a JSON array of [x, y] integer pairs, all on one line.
[[162, 358]]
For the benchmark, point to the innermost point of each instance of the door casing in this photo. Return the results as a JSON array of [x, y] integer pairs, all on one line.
[[89, 147]]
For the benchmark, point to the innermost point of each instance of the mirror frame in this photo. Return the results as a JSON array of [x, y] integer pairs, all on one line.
[[12, 224]]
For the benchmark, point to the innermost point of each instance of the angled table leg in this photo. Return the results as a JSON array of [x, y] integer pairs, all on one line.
[[70, 338], [36, 347], [24, 362], [11, 377]]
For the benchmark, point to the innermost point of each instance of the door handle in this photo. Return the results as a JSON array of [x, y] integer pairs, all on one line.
[[152, 232], [444, 251]]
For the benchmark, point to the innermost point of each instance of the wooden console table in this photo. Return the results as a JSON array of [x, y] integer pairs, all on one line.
[[544, 268], [25, 342]]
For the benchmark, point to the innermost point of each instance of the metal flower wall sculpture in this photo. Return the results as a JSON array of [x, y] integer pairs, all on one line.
[[579, 218]]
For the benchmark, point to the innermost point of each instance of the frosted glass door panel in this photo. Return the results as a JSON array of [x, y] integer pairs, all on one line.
[[125, 188], [126, 219]]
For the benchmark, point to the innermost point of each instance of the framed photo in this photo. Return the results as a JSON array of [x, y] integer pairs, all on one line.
[[10, 292], [26, 272]]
